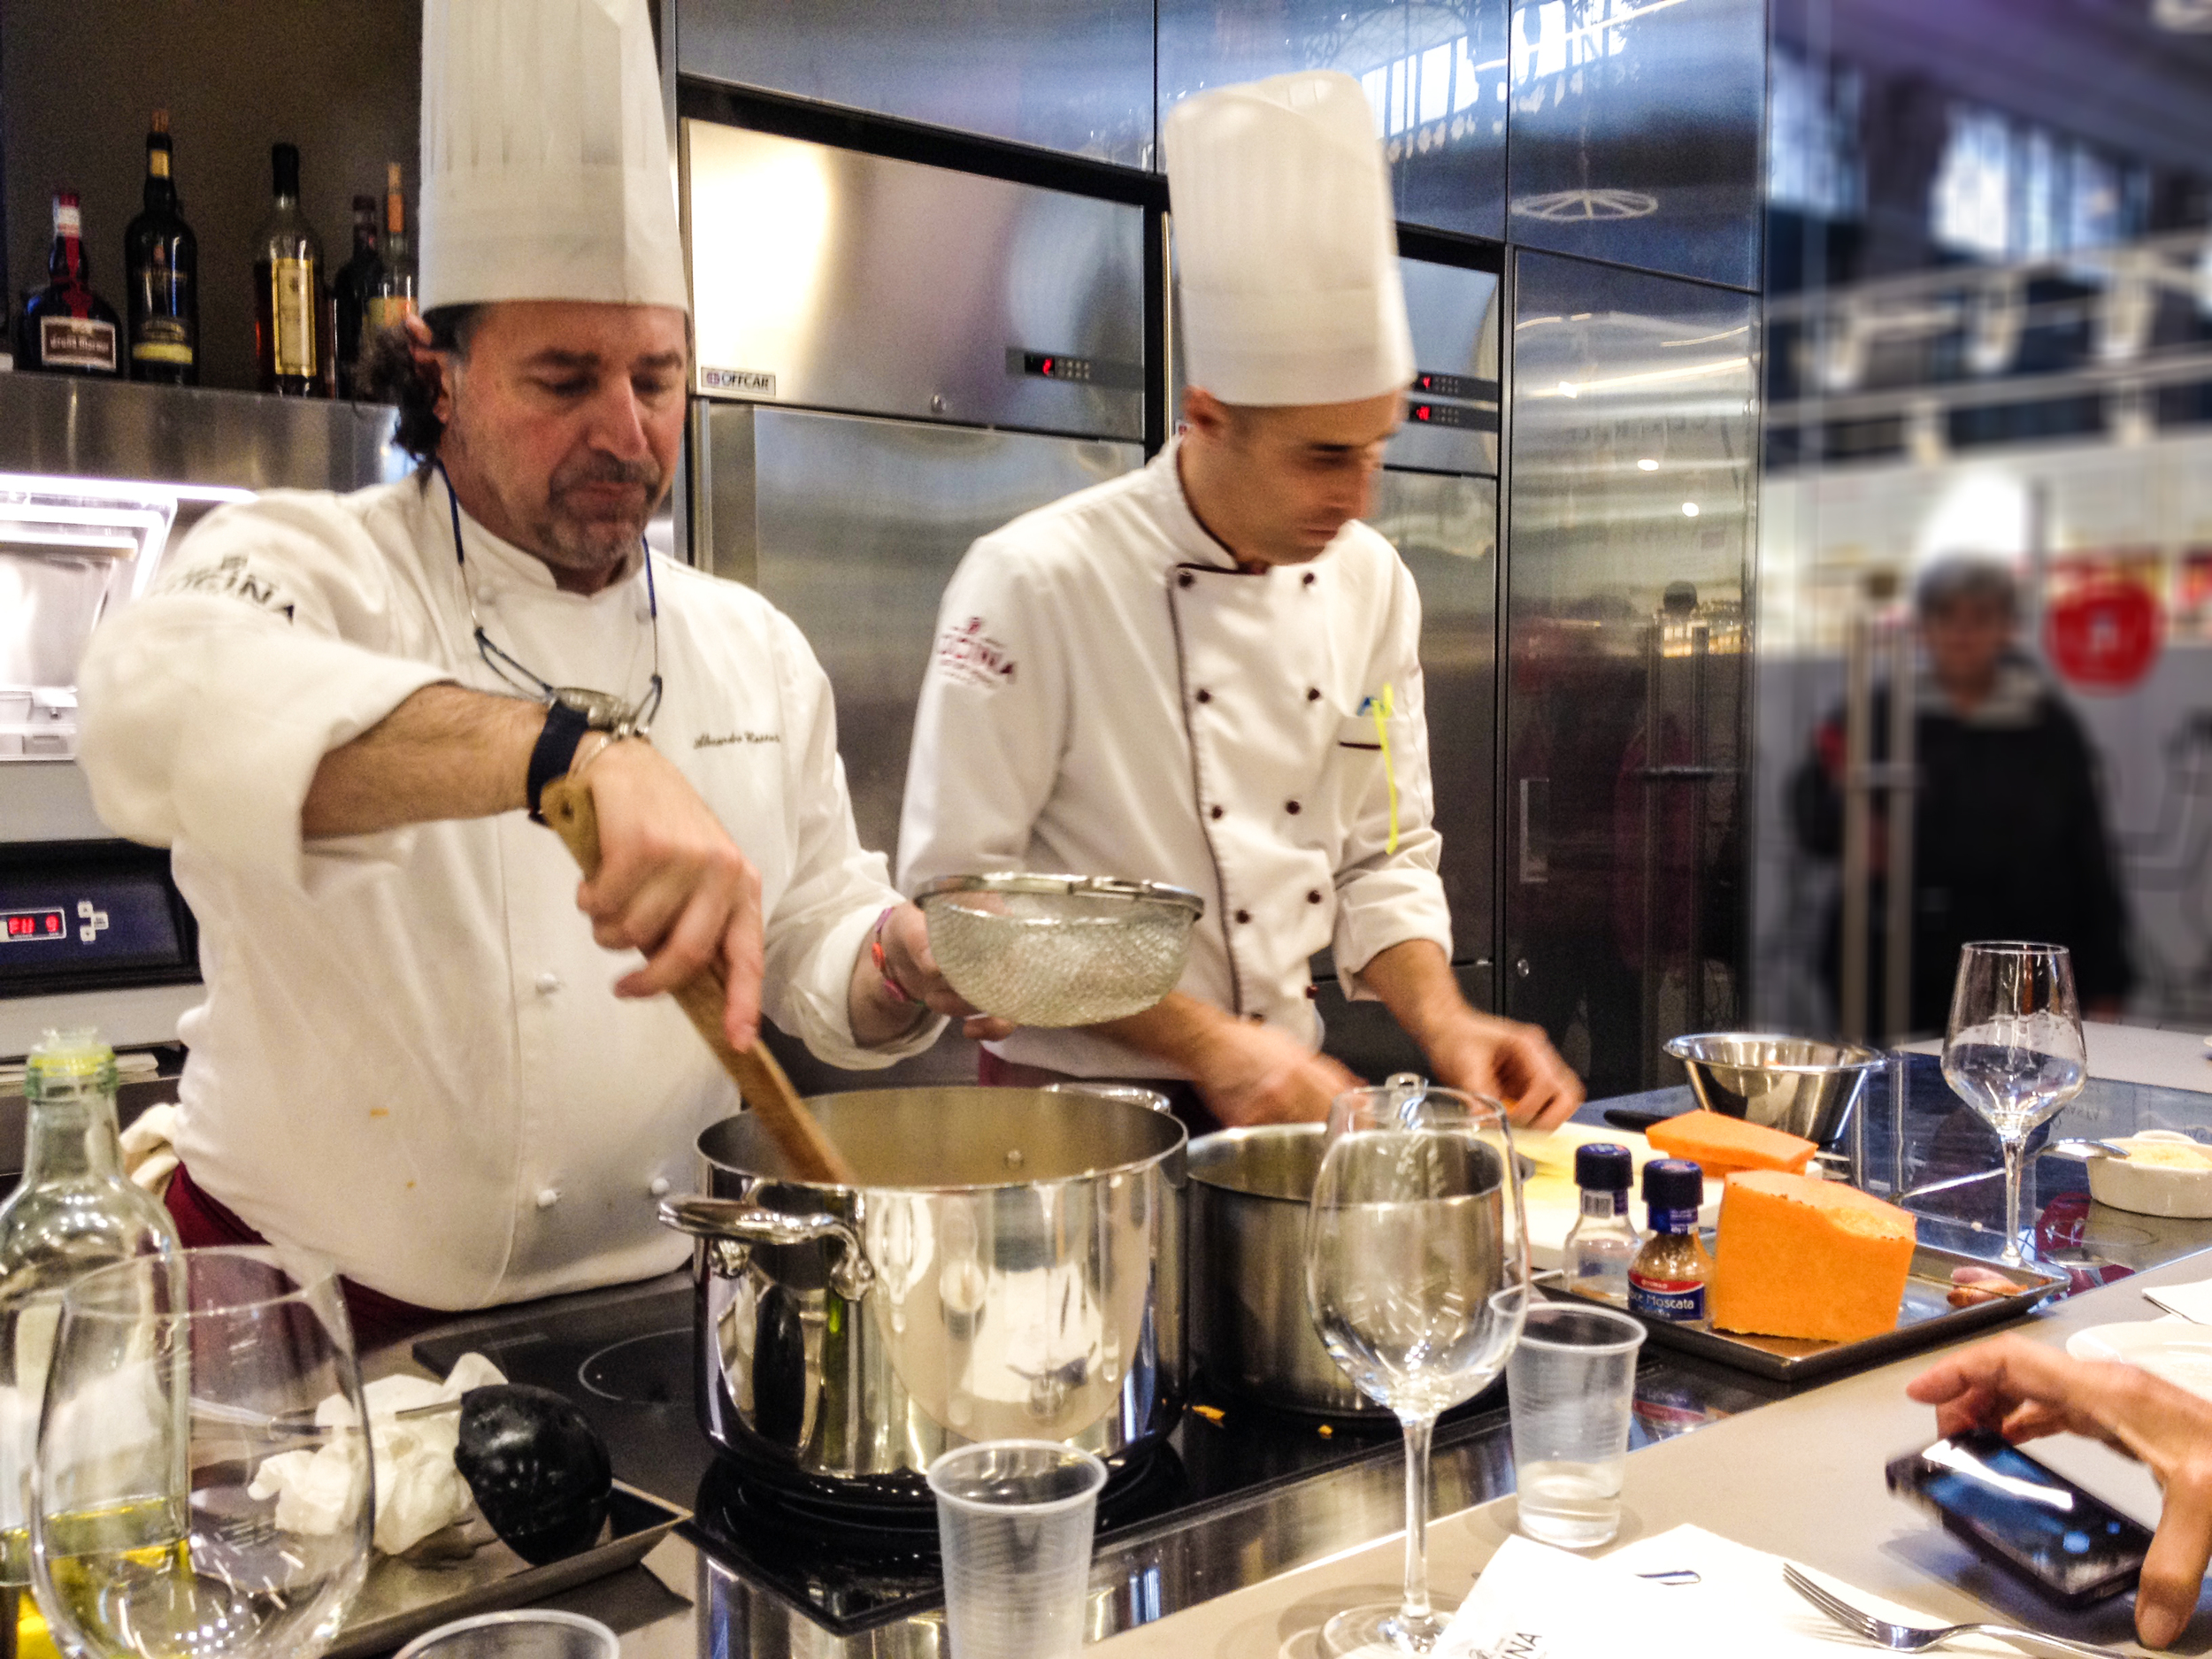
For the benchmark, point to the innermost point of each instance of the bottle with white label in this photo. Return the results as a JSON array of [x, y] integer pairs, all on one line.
[[66, 328], [74, 1210], [1603, 1240], [1667, 1280], [287, 299]]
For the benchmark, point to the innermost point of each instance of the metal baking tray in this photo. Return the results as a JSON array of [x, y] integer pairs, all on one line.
[[406, 1595], [1925, 1319]]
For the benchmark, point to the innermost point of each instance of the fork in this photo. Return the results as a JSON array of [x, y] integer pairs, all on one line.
[[1919, 1638]]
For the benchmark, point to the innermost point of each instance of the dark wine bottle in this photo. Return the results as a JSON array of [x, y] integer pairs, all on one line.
[[287, 300], [161, 259], [352, 286], [67, 328]]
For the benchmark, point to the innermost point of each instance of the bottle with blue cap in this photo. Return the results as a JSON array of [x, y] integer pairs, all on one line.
[[1667, 1280], [1603, 1240]]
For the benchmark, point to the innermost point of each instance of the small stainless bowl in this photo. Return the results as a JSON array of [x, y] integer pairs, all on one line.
[[1797, 1084]]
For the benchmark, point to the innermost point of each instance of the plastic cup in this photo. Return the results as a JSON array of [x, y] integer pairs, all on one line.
[[1572, 1381], [1014, 1521]]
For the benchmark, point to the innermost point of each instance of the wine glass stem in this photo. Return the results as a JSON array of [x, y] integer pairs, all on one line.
[[2015, 1150], [1415, 1615]]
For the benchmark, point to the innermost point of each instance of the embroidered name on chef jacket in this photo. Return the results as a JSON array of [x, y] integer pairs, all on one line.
[[232, 578], [968, 655]]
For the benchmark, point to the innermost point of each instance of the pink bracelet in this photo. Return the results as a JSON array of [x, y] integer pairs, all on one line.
[[892, 988]]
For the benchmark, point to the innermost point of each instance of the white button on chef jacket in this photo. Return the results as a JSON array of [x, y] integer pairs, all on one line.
[[374, 1069], [1111, 696]]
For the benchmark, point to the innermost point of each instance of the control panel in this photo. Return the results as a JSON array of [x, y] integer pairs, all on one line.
[[81, 916]]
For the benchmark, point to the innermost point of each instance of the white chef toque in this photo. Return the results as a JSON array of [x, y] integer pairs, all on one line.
[[1286, 248], [545, 170]]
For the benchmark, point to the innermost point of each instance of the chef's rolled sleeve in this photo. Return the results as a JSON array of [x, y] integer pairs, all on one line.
[[1388, 890], [209, 703], [837, 888]]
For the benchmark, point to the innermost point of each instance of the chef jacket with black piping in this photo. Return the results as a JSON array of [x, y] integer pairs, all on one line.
[[1108, 695], [410, 1058]]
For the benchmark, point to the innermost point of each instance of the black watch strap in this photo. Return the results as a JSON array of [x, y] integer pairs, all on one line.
[[556, 748]]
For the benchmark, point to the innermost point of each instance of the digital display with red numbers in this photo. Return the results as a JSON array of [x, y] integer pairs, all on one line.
[[1453, 415], [25, 926]]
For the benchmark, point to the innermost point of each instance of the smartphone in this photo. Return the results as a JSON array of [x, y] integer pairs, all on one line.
[[2075, 1548]]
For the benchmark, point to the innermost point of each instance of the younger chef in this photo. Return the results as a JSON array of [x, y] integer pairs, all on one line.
[[335, 709], [1206, 673]]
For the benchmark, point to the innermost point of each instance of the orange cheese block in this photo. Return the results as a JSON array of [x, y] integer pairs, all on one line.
[[1807, 1258], [1721, 1145]]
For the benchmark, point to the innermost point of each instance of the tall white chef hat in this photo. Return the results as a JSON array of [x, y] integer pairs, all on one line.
[[545, 168], [1287, 252]]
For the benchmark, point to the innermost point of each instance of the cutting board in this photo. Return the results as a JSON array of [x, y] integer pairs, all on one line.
[[1553, 1200]]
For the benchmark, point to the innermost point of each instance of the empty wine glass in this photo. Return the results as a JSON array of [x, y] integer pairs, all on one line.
[[159, 1529], [1417, 1272], [2013, 1050]]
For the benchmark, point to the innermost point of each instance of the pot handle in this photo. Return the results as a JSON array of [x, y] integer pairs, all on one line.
[[724, 1222]]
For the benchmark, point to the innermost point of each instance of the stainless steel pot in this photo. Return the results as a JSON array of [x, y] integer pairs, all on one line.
[[1010, 1265], [1251, 1331]]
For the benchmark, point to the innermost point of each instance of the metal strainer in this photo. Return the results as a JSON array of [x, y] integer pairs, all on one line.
[[1059, 950]]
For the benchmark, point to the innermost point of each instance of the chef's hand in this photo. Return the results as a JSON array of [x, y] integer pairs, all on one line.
[[907, 959], [2023, 1390], [672, 883], [1253, 1074], [1507, 1061]]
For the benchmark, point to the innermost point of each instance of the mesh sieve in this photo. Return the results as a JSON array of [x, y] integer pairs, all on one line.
[[1059, 950]]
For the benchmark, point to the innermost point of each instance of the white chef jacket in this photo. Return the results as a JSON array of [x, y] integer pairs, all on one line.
[[1111, 696], [410, 1058]]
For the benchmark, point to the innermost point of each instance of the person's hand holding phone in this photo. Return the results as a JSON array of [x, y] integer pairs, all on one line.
[[2023, 1390]]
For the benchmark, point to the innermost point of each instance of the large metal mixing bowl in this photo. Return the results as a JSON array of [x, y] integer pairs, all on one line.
[[1797, 1085]]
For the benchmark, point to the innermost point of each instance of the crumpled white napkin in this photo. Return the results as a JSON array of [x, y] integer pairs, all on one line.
[[1533, 1602], [418, 1491]]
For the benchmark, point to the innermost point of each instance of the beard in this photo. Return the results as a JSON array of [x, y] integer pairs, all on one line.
[[586, 527]]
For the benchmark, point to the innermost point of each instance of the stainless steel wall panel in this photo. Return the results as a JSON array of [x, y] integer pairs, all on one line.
[[1637, 127], [1063, 75], [1445, 529], [1451, 416], [829, 279], [1435, 75], [1633, 478], [857, 526]]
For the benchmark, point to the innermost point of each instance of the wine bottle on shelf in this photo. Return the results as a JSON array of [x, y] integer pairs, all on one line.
[[288, 302], [392, 300], [67, 328], [161, 262], [352, 286]]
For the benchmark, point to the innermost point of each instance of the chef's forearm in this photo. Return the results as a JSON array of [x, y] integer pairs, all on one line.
[[446, 752], [1181, 1030], [1414, 980]]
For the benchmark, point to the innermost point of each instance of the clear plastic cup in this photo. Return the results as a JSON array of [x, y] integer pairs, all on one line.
[[1014, 1520], [1572, 1381]]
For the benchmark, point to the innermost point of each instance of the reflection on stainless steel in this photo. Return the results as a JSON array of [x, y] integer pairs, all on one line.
[[1637, 132], [828, 278], [1250, 1328], [1633, 467], [1884, 649], [1435, 75], [852, 527], [1451, 416], [1021, 1278], [1063, 75]]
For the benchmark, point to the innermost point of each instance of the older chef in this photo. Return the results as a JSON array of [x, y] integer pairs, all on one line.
[[413, 1057], [1206, 673]]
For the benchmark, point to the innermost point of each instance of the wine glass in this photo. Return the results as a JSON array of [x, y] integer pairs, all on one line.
[[166, 1523], [2014, 1049], [1417, 1272]]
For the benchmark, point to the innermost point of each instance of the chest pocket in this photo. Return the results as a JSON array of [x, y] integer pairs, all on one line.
[[1365, 776]]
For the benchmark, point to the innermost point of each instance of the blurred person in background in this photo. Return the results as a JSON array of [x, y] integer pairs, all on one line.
[[2009, 835]]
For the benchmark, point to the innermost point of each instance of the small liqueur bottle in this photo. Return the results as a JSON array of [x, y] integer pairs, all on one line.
[[1603, 1241], [161, 262], [351, 286], [1667, 1280], [66, 328], [288, 301], [392, 296]]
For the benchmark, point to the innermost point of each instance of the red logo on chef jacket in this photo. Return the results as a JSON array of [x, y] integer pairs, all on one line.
[[968, 655], [2105, 635]]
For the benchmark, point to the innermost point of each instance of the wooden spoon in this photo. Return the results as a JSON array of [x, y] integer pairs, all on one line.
[[812, 1155]]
